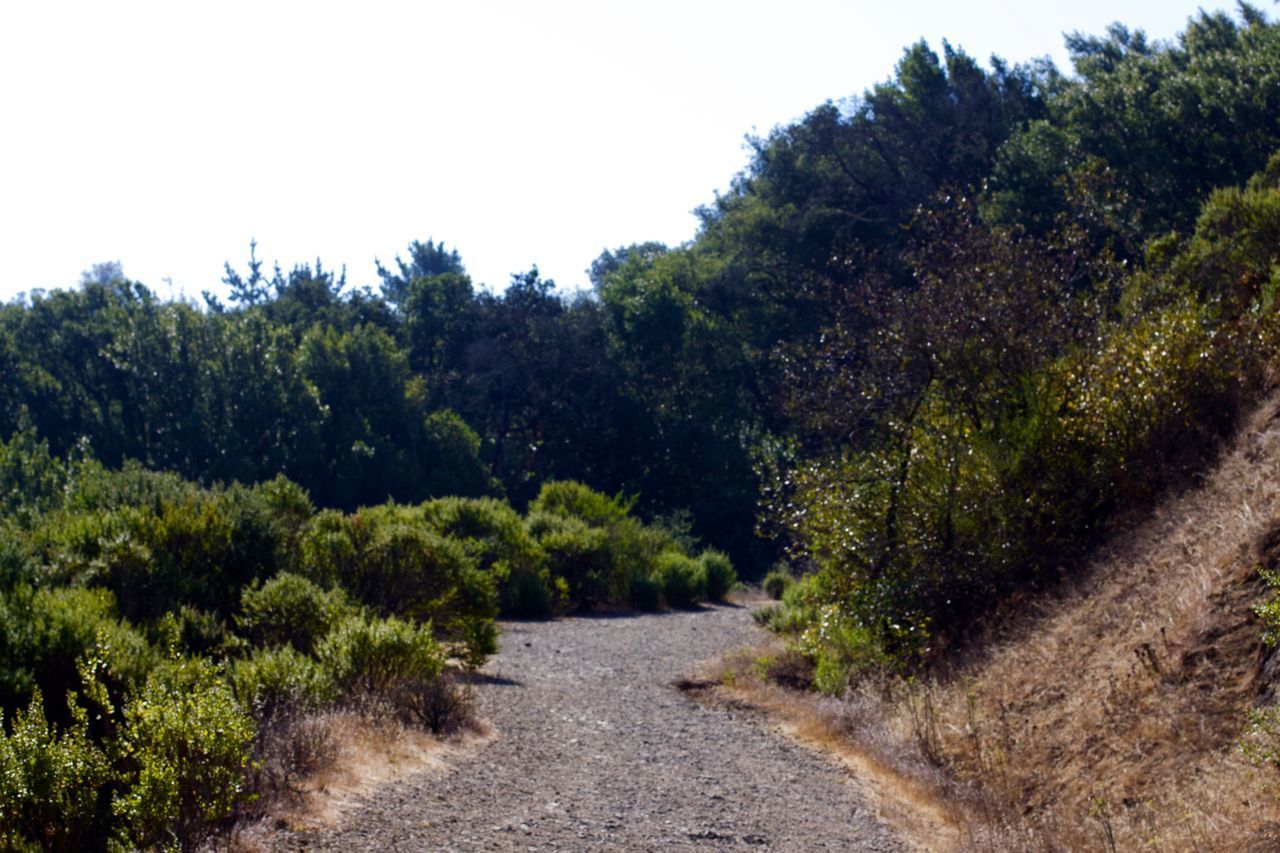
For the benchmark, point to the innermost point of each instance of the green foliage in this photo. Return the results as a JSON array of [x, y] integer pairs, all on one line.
[[683, 579], [280, 681], [46, 633], [573, 499], [577, 553], [187, 745], [526, 596], [495, 537], [644, 593], [289, 609], [31, 480], [1260, 741], [777, 582], [51, 783], [451, 452], [1269, 611], [718, 570], [365, 657]]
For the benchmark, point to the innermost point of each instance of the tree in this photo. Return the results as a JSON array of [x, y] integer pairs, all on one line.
[[425, 259]]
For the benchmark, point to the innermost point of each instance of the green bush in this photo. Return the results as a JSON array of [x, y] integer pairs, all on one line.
[[719, 574], [290, 609], [390, 560], [777, 582], [187, 744], [526, 596], [493, 535], [45, 633], [682, 579], [51, 784], [371, 657], [280, 681], [571, 498], [841, 650], [644, 593], [581, 556]]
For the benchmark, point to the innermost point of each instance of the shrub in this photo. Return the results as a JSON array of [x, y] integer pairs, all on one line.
[[682, 579], [489, 530], [370, 658], [777, 582], [526, 596], [493, 535], [841, 650], [44, 633], [50, 784], [571, 498], [582, 557], [291, 747], [644, 593], [279, 682], [290, 609], [718, 571], [187, 744], [436, 704]]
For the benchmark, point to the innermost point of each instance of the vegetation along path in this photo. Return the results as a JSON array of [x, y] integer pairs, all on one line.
[[595, 748]]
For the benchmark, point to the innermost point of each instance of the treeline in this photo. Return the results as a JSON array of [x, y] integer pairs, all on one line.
[[928, 340], [170, 654], [431, 388]]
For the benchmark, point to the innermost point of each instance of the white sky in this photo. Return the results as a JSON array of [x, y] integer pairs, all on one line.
[[166, 135]]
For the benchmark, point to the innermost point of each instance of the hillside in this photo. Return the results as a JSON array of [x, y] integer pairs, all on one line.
[[1109, 714]]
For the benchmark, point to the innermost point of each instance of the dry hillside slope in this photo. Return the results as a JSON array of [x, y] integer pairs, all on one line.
[[1110, 719]]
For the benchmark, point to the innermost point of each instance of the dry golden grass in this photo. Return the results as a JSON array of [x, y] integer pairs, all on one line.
[[1110, 718], [368, 751]]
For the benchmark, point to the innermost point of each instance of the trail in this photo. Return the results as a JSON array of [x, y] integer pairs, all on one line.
[[595, 749]]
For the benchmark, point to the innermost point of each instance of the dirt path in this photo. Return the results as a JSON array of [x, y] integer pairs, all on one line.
[[596, 750]]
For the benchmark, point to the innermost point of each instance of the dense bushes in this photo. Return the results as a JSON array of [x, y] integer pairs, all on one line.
[[168, 651], [981, 485], [185, 746], [606, 556], [50, 783]]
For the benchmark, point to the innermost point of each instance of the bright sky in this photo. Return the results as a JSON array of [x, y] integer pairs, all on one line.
[[166, 135]]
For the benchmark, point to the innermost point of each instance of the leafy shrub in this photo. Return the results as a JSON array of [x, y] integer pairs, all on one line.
[[280, 681], [187, 745], [777, 581], [719, 574], [290, 609], [841, 650], [50, 783], [581, 556], [489, 530], [45, 633], [493, 535], [682, 579], [388, 558], [571, 498], [198, 632], [644, 593], [372, 657], [526, 596]]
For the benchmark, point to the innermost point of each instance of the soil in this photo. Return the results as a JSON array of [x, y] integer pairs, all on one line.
[[595, 748]]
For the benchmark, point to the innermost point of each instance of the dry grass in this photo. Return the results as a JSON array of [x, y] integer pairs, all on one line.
[[362, 752], [1110, 719], [1107, 715]]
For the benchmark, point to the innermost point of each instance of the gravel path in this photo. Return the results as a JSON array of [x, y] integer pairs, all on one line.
[[596, 750]]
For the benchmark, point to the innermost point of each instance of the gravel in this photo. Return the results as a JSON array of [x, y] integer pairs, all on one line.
[[597, 750]]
